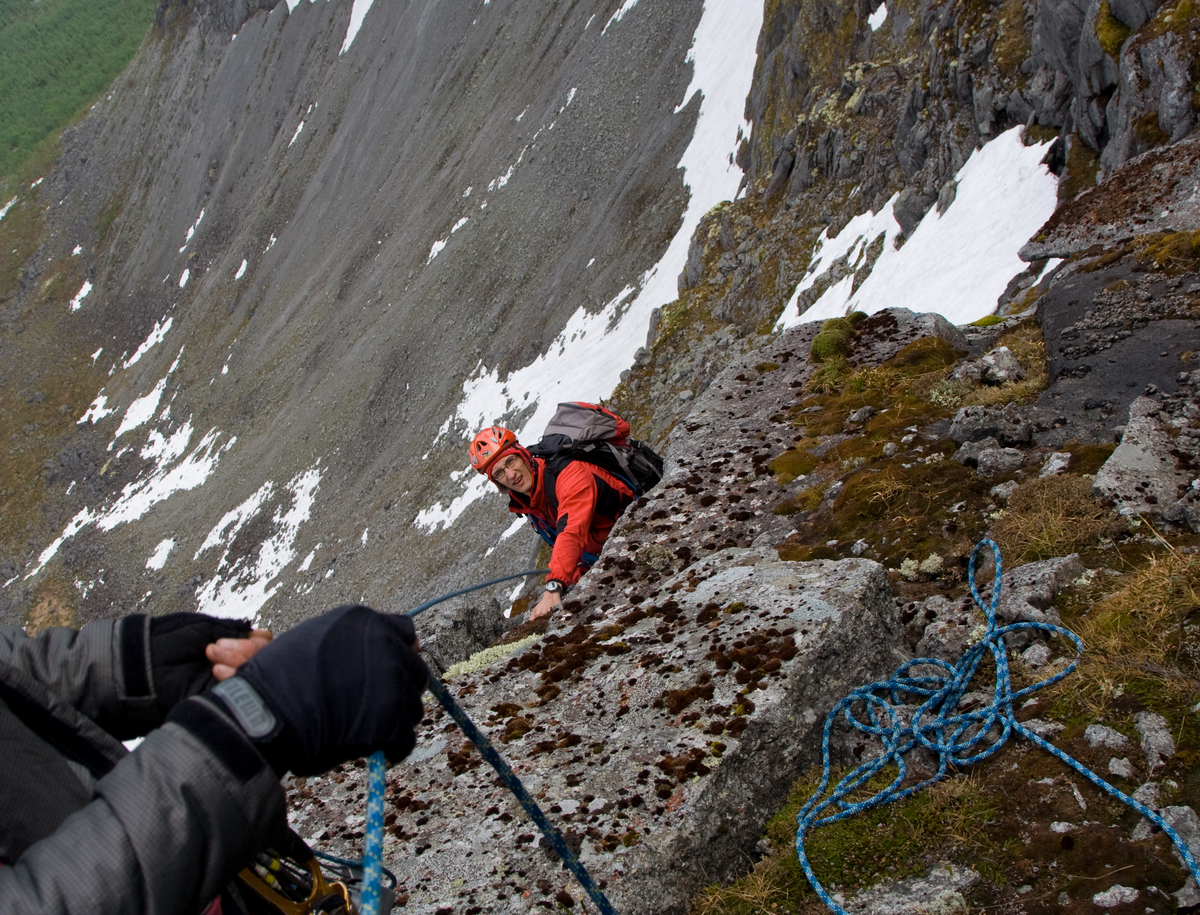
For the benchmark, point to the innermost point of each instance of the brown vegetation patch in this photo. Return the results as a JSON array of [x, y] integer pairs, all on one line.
[[464, 759], [52, 607], [1052, 516], [1143, 640]]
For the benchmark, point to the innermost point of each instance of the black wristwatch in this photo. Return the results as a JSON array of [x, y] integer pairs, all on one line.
[[555, 587]]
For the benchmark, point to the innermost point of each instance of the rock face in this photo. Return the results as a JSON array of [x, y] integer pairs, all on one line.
[[458, 630], [280, 204], [1153, 470], [660, 724], [662, 718], [938, 891]]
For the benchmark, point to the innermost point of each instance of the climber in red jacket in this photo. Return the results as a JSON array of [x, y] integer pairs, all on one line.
[[572, 504]]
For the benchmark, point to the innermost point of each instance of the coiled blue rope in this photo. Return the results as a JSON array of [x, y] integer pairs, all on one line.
[[373, 842], [958, 738]]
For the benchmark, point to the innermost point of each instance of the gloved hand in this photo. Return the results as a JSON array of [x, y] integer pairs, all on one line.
[[178, 665], [341, 685]]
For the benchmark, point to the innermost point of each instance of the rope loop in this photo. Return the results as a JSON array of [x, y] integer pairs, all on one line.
[[920, 707]]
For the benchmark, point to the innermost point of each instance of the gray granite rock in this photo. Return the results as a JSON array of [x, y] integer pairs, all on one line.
[[1122, 768], [939, 891], [1115, 895], [994, 462], [457, 630], [660, 729], [1100, 735], [1157, 742], [1037, 655], [1009, 425], [1000, 366], [969, 452], [1143, 474], [1134, 13], [1186, 824], [1003, 491], [1028, 592], [1187, 510], [1055, 464], [1047, 730]]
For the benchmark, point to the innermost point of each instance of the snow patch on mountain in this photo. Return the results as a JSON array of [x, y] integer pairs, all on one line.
[[957, 262], [244, 583]]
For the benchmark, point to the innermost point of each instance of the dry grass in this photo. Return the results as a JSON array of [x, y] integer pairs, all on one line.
[[762, 890], [1026, 343], [1145, 633], [1051, 516]]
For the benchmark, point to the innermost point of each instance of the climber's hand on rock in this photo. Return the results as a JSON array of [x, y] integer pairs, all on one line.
[[550, 601]]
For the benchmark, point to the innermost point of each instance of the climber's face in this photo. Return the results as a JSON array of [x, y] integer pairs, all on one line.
[[513, 474]]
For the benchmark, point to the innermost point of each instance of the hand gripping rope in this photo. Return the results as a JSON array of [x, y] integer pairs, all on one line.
[[373, 843], [958, 738]]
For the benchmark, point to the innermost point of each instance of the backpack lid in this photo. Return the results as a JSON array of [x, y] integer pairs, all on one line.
[[584, 422]]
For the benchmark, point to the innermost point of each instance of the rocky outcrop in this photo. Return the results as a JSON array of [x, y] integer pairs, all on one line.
[[452, 633], [1154, 192], [219, 18], [1155, 471]]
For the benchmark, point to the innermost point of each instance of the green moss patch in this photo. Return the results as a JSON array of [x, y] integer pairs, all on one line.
[[911, 512], [898, 390], [1111, 31], [796, 462], [1013, 41], [1082, 167], [834, 339], [988, 321], [1088, 459]]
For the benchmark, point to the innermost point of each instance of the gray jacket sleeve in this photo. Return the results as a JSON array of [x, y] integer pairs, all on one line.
[[168, 827], [87, 670], [79, 666]]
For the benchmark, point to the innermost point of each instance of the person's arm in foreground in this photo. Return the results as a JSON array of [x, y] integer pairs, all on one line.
[[177, 818], [127, 674], [578, 491]]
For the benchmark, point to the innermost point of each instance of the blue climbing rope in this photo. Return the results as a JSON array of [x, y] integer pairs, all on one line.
[[958, 738], [373, 842], [421, 608]]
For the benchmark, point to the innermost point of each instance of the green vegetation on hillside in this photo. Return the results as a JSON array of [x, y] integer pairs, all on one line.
[[56, 56]]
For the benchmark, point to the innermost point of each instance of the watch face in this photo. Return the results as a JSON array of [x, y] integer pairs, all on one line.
[[553, 586]]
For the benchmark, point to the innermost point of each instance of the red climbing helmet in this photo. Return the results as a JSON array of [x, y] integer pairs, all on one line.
[[488, 445]]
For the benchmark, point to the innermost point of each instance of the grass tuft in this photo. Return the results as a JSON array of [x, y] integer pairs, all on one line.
[[1051, 516], [890, 843], [1143, 638], [1027, 344]]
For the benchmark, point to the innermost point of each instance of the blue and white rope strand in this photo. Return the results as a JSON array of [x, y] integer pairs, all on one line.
[[958, 738], [373, 847]]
